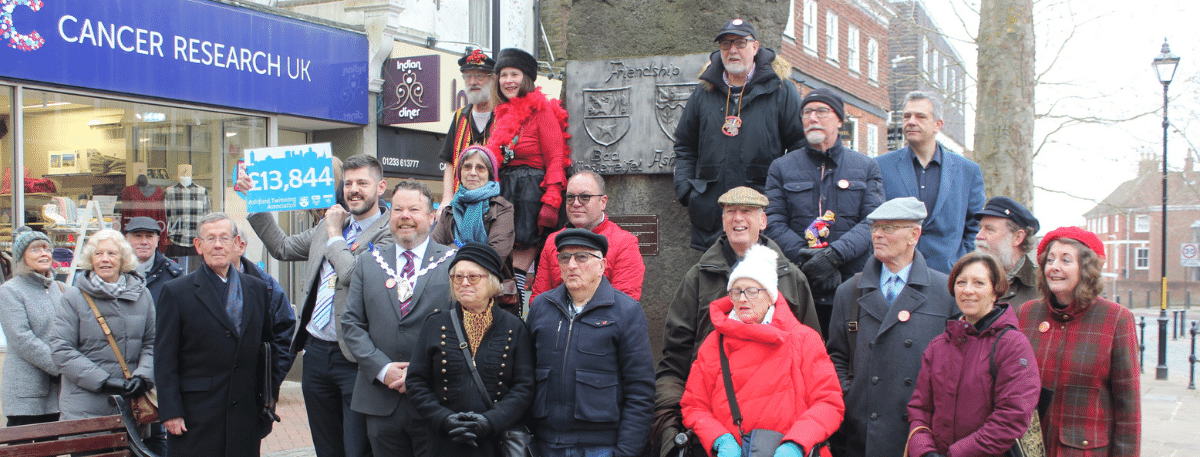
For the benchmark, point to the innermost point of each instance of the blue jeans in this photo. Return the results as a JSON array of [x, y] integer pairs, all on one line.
[[546, 449]]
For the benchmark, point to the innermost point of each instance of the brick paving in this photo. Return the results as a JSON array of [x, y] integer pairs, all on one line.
[[290, 437]]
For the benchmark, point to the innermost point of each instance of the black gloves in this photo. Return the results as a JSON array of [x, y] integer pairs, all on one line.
[[821, 268], [465, 428], [135, 387], [113, 385]]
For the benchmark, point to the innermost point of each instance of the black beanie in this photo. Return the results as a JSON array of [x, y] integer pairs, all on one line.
[[827, 97], [516, 58], [483, 255]]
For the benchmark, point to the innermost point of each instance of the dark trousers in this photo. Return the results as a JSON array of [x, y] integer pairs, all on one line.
[[328, 386], [402, 434]]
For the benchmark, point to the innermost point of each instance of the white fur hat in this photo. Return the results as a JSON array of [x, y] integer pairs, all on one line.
[[759, 264]]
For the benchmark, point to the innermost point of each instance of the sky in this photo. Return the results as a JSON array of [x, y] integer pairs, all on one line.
[[1095, 57]]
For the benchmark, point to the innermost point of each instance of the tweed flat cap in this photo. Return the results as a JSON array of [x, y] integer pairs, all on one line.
[[899, 209], [743, 196]]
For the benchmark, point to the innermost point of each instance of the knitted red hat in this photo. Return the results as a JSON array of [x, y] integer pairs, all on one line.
[[1088, 239]]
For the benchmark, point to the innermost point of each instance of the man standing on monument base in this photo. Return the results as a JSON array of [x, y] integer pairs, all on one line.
[[740, 118], [472, 122]]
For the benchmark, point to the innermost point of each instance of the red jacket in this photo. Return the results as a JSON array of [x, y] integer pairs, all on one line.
[[625, 268], [783, 378], [1088, 355], [971, 414]]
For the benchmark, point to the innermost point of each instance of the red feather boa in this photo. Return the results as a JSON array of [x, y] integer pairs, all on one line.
[[511, 116]]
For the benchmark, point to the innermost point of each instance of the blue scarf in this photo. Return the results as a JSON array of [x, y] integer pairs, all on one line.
[[469, 207]]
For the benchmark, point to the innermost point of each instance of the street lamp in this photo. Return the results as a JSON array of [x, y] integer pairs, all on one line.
[[1165, 65]]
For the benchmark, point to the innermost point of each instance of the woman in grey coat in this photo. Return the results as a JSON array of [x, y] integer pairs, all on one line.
[[27, 307], [89, 367]]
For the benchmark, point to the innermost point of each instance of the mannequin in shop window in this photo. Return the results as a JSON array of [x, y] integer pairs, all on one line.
[[144, 199], [186, 202]]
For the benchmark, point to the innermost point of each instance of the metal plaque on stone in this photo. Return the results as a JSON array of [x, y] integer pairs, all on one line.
[[644, 227], [623, 111]]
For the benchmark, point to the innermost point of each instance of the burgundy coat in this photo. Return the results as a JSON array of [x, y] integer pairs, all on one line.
[[956, 398], [1088, 355]]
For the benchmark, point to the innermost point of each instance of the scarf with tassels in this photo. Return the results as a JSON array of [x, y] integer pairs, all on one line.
[[469, 207]]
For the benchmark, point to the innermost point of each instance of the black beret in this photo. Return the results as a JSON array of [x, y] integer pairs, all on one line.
[[483, 255], [1009, 209], [581, 237], [516, 58]]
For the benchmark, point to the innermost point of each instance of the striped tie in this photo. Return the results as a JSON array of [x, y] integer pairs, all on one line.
[[323, 312], [893, 289], [407, 273]]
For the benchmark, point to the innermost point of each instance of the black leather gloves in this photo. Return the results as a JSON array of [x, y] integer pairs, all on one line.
[[821, 268], [465, 428], [113, 385], [134, 387]]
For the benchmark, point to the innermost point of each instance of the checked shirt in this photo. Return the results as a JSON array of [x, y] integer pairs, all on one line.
[[185, 207]]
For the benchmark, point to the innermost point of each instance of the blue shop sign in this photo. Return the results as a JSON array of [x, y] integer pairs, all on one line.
[[191, 50]]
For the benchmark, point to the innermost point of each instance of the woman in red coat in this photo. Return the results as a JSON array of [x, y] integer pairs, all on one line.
[[960, 407], [783, 379], [1086, 350], [529, 136]]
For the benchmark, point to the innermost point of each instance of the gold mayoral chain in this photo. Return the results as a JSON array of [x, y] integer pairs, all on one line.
[[405, 291], [733, 123]]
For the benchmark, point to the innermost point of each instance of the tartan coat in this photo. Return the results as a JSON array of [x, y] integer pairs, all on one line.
[[1088, 355]]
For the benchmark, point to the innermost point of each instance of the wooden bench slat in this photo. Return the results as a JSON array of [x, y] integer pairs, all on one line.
[[67, 445], [125, 453], [51, 429]]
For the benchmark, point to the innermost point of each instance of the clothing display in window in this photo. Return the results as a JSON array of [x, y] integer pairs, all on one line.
[[142, 199], [185, 205]]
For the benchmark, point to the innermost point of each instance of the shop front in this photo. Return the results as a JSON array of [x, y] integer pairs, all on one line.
[[145, 106]]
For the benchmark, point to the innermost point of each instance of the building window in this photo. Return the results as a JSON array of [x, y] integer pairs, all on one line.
[[925, 55], [1103, 225], [479, 17], [873, 60], [831, 36], [933, 69], [852, 59], [872, 140], [1141, 224], [1142, 259], [790, 29], [942, 73], [810, 26]]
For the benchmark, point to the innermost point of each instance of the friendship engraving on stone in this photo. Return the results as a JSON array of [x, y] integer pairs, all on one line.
[[607, 116], [670, 100]]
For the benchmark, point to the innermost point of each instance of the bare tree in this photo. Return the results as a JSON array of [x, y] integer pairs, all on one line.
[[1005, 115]]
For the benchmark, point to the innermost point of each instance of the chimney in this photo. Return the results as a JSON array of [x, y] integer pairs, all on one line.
[[1148, 165], [1189, 164]]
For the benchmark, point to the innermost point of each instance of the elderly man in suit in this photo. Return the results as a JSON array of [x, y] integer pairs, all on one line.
[[330, 248], [950, 185], [392, 291], [883, 318], [211, 324]]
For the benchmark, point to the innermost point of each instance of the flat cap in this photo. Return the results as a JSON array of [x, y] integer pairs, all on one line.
[[581, 237], [743, 196], [1009, 209], [899, 209], [142, 224], [737, 27]]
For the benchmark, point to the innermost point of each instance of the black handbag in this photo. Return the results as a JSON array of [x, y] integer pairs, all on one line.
[[514, 442]]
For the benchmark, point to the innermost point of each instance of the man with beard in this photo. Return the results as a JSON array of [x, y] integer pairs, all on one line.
[[1006, 230], [759, 117], [472, 122], [824, 176], [330, 248]]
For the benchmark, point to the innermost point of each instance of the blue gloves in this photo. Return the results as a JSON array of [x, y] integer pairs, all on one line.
[[789, 449], [727, 446]]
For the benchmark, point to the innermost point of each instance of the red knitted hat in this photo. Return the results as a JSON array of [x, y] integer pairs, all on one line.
[[1088, 239]]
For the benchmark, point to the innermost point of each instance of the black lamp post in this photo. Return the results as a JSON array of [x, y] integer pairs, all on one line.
[[1165, 65]]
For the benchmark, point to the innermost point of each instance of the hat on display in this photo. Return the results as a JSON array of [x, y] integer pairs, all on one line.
[[761, 264], [1009, 209], [737, 27], [1085, 237], [476, 60], [516, 58], [583, 238], [827, 97], [483, 255], [899, 209]]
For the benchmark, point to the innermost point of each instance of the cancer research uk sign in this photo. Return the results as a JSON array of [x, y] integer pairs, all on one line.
[[290, 178], [190, 50]]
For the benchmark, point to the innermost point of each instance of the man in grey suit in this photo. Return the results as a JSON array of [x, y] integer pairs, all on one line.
[[883, 318], [393, 290], [330, 249]]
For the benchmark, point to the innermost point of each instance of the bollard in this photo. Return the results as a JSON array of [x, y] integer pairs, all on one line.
[[1175, 326], [1142, 346], [1187, 299], [1147, 299], [1192, 359]]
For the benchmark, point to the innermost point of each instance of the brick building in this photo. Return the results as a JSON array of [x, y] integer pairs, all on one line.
[[1129, 222], [920, 58], [841, 46]]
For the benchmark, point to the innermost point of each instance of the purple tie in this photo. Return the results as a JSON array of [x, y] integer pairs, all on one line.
[[407, 273]]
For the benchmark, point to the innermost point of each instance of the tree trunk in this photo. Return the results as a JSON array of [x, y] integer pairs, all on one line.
[[1004, 117]]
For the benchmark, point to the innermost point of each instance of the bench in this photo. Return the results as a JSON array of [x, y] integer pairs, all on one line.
[[108, 436]]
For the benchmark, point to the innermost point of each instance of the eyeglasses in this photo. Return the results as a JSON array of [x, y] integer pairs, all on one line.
[[749, 292], [582, 198], [216, 240], [472, 279], [580, 257], [890, 228], [476, 76], [739, 43], [821, 113]]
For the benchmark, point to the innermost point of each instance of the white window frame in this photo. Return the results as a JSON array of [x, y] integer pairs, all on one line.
[[1141, 258], [853, 60], [925, 55], [873, 60], [872, 140], [942, 73], [790, 29], [831, 37], [934, 70], [853, 122], [1141, 223], [1103, 225], [810, 26]]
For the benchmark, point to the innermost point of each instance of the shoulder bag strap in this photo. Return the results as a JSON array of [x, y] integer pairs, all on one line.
[[852, 326], [992, 357], [108, 334], [466, 350], [733, 406]]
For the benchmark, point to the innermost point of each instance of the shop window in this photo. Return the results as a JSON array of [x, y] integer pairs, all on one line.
[[872, 140], [133, 159]]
